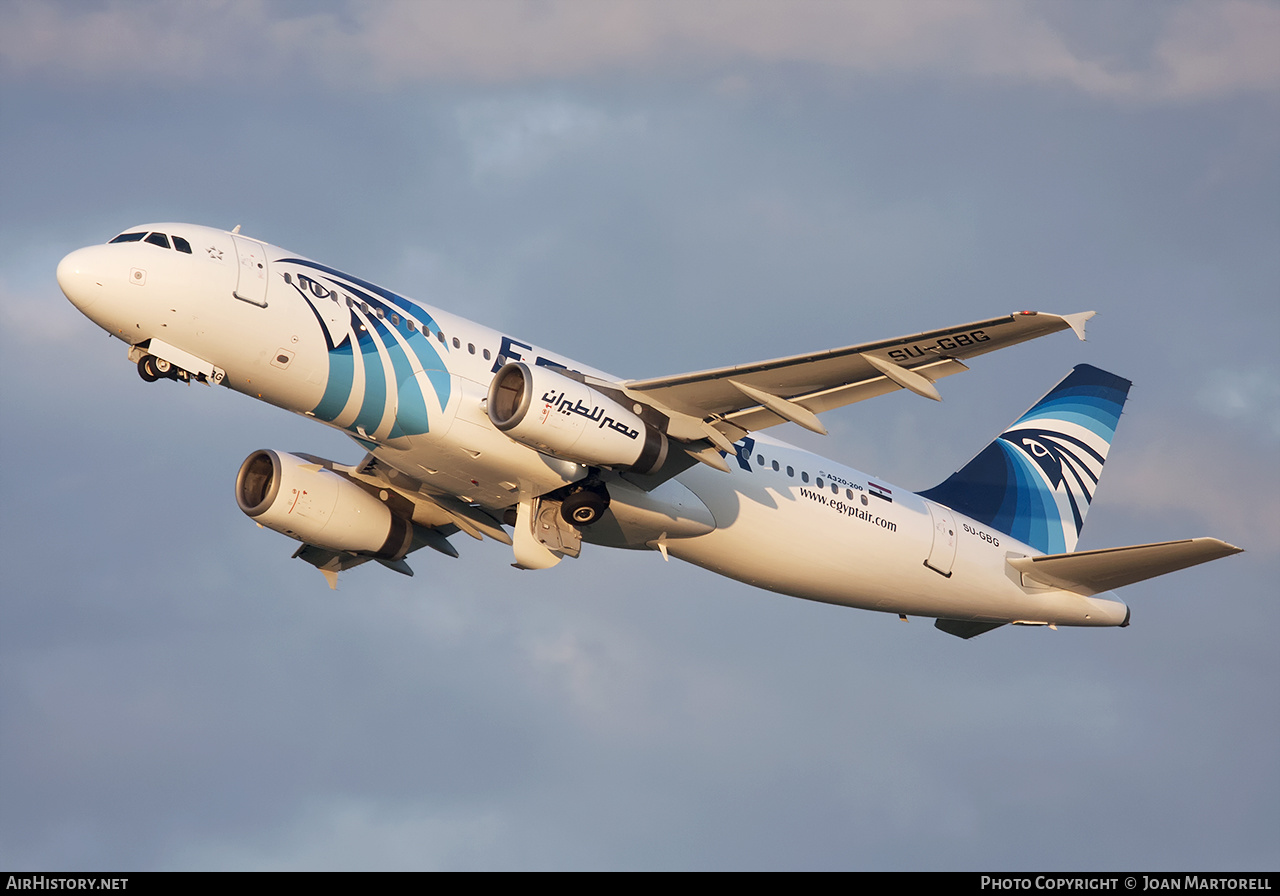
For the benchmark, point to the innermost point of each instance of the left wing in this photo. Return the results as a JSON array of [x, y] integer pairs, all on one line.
[[724, 404]]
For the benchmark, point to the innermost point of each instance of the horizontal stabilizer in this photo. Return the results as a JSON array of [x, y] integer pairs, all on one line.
[[1090, 572]]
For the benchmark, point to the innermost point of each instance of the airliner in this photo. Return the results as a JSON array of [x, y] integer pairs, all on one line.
[[468, 429]]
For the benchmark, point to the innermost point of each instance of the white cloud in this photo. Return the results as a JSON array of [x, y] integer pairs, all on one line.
[[1195, 474], [351, 834], [1250, 396], [514, 138], [1200, 49]]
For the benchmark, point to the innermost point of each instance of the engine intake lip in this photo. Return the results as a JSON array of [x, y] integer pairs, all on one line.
[[258, 482], [509, 395]]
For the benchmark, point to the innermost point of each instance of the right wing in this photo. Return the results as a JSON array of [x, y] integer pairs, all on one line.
[[724, 404], [435, 516]]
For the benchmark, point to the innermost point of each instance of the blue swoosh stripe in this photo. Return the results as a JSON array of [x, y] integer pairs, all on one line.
[[338, 388], [411, 416], [375, 386], [411, 409]]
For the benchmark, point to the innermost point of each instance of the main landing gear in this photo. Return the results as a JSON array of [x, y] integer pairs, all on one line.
[[585, 506]]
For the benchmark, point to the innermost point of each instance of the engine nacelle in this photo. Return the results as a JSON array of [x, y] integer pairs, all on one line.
[[300, 498], [558, 415]]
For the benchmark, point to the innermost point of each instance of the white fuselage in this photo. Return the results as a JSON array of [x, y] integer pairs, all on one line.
[[410, 386]]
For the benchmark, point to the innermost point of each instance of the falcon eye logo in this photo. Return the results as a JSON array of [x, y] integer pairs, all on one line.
[[1068, 464]]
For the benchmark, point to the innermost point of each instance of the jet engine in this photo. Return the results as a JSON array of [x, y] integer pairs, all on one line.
[[558, 415], [305, 500]]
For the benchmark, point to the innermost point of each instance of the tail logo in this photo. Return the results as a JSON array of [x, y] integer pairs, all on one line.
[[1070, 467], [1036, 480]]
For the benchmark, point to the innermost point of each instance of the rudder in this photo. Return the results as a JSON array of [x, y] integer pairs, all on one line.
[[1036, 480]]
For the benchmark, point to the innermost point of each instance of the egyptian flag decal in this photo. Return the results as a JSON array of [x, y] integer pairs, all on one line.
[[880, 491]]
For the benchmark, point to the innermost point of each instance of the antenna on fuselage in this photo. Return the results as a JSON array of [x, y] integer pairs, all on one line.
[[235, 229]]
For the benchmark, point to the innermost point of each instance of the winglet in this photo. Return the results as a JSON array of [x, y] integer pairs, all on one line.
[[1076, 322]]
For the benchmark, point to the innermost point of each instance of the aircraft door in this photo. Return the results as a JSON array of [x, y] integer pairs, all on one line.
[[251, 283], [942, 552]]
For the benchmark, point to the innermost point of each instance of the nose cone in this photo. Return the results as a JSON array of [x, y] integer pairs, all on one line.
[[79, 277]]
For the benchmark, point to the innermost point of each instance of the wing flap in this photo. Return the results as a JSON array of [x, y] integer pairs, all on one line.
[[1091, 572], [429, 509], [752, 419]]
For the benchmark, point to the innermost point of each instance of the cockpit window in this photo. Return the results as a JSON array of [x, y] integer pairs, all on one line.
[[155, 239]]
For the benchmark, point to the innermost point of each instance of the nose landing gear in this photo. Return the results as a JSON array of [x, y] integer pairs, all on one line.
[[151, 368]]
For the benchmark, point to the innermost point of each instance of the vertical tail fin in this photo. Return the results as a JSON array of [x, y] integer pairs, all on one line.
[[1035, 481]]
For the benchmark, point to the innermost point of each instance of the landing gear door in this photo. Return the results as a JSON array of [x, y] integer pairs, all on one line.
[[942, 553], [251, 285]]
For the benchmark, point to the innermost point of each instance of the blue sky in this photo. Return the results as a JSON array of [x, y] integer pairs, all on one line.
[[649, 188]]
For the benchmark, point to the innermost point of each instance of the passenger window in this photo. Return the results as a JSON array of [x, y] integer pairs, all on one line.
[[181, 245], [413, 328], [395, 319], [759, 460], [790, 471], [818, 482], [848, 493], [471, 347], [129, 237], [158, 239], [456, 342], [775, 466], [835, 489], [486, 354], [440, 336]]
